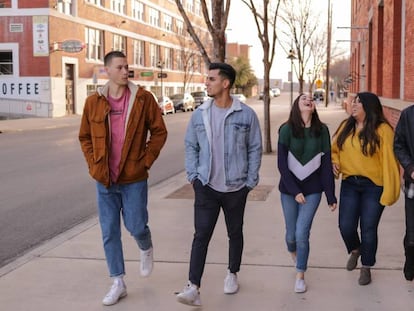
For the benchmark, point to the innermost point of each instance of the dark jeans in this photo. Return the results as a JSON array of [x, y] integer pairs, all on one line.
[[359, 203], [409, 222], [207, 206]]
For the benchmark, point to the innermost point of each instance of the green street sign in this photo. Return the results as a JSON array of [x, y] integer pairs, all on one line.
[[147, 73]]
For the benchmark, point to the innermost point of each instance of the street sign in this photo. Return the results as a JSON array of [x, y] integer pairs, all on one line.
[[72, 46], [162, 75], [146, 73]]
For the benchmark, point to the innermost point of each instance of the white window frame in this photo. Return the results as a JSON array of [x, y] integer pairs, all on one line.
[[118, 6], [119, 43], [96, 2], [138, 10], [190, 5], [155, 54], [94, 43], [139, 53], [168, 58], [168, 21], [154, 17], [14, 49], [180, 27], [66, 7]]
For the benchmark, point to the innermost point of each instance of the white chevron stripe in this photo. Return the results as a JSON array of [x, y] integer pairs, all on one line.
[[303, 171]]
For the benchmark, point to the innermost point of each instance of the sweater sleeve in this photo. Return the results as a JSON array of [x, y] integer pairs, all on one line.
[[327, 177], [389, 166], [286, 176]]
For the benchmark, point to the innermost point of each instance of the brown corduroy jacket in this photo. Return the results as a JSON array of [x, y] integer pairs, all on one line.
[[139, 151]]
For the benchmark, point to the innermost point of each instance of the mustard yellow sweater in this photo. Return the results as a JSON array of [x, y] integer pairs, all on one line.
[[382, 167]]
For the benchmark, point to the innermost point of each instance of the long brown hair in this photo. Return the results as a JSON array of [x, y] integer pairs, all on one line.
[[374, 117], [298, 126]]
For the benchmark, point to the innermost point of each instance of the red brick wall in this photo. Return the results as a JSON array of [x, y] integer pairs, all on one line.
[[383, 63], [23, 4], [29, 64], [409, 51]]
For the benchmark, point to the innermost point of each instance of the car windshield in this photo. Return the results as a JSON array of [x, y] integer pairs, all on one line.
[[177, 96], [198, 94]]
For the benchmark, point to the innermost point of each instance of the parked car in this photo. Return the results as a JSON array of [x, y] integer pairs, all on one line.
[[275, 91], [270, 94], [240, 97], [183, 102], [199, 97], [319, 94], [166, 105]]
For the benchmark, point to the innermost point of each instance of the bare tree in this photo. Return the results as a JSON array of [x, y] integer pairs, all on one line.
[[216, 25], [265, 17], [302, 33]]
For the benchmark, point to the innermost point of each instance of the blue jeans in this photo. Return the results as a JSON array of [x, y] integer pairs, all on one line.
[[207, 205], [359, 203], [130, 200], [298, 221]]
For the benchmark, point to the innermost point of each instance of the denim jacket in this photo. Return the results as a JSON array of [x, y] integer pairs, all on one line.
[[242, 145]]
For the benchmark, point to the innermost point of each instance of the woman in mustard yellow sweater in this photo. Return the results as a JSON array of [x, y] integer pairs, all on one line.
[[362, 152]]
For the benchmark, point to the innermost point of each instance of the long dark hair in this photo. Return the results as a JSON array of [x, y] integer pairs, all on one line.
[[298, 126], [374, 117]]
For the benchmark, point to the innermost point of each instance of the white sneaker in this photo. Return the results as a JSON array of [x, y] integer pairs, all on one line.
[[231, 286], [147, 262], [190, 295], [300, 286], [117, 291]]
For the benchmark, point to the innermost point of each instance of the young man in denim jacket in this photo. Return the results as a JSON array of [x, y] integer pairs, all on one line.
[[223, 150]]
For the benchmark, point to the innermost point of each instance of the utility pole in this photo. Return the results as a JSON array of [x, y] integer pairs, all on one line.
[[328, 53]]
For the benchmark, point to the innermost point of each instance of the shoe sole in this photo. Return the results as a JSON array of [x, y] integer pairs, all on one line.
[[231, 292], [186, 302], [120, 297]]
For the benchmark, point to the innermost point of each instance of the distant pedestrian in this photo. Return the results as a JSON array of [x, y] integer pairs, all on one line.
[[113, 134], [404, 150], [223, 149], [362, 151], [304, 162]]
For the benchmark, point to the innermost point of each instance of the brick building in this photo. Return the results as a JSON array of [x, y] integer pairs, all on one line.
[[382, 52], [51, 51]]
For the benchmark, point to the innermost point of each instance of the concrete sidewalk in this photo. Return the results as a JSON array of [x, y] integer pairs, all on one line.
[[69, 272]]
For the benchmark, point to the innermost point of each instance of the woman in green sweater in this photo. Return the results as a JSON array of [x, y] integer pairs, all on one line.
[[362, 151], [304, 162]]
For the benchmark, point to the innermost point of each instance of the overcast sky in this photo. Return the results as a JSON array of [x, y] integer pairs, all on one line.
[[242, 29]]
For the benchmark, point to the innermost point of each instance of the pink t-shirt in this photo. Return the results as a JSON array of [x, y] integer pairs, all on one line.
[[119, 108]]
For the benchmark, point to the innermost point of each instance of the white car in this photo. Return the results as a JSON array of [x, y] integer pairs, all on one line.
[[276, 92], [240, 97], [166, 105], [183, 102]]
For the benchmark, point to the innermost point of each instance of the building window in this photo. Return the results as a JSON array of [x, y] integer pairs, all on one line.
[[197, 7], [168, 22], [139, 53], [96, 2], [180, 27], [138, 10], [119, 43], [94, 44], [6, 63], [190, 5], [154, 17], [155, 54], [168, 58], [5, 4], [118, 6], [179, 61], [65, 7]]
